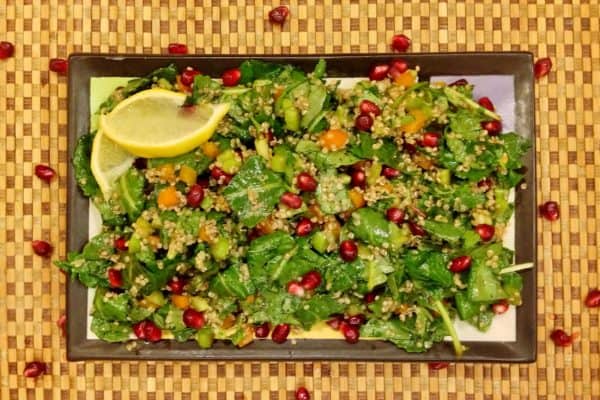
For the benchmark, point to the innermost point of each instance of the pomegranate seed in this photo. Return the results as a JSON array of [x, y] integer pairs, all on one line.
[[115, 278], [379, 72], [416, 229], [278, 15], [59, 65], [177, 48], [304, 227], [231, 77], [485, 232], [409, 148], [436, 366], [550, 210], [7, 49], [356, 320], [44, 172], [363, 122], [195, 196], [291, 200], [335, 321], [390, 172], [350, 332], [400, 43], [176, 285], [369, 108], [295, 289], [397, 68], [369, 297], [459, 82], [33, 369], [431, 139], [395, 215], [152, 333], [500, 307], [302, 394], [188, 75], [193, 319], [120, 244], [560, 338], [140, 163], [138, 330], [280, 333], [348, 250], [305, 182], [485, 102], [311, 280], [61, 322], [203, 181], [358, 178], [460, 264], [592, 300], [41, 248], [542, 67], [222, 177], [485, 184], [262, 331], [493, 128]]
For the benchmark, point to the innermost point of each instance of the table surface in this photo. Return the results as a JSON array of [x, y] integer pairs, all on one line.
[[33, 121]]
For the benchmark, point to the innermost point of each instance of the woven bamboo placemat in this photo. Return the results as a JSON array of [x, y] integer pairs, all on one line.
[[33, 128]]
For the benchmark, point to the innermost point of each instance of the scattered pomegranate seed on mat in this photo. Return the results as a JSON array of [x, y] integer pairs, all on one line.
[[592, 300], [561, 338], [44, 172], [302, 394], [400, 42], [550, 210], [58, 65], [41, 248], [177, 48], [542, 67], [278, 15], [436, 366], [61, 322], [33, 369], [7, 49]]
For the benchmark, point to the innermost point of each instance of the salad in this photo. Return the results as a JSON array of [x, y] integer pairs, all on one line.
[[377, 211]]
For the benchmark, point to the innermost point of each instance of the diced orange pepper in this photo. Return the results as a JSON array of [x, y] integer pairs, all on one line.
[[278, 91], [248, 336], [180, 86], [204, 235], [187, 175], [167, 172], [418, 122], [334, 139], [180, 301], [228, 322], [168, 197], [357, 198], [406, 79], [210, 149]]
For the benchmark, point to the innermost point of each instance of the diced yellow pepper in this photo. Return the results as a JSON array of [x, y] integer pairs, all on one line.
[[180, 301], [210, 149], [418, 122], [187, 175]]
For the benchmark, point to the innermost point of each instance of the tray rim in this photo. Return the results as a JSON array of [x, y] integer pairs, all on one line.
[[82, 67]]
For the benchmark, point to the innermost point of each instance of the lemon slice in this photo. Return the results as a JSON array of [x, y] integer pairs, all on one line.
[[153, 123], [108, 162]]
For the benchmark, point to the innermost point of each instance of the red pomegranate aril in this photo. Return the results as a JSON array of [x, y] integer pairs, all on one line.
[[195, 196], [193, 319], [203, 181], [176, 285], [61, 322], [278, 15], [493, 128], [398, 66], [416, 229], [177, 48], [41, 248], [486, 232], [138, 330], [460, 264], [188, 75], [33, 369], [311, 280], [58, 65], [459, 82], [44, 172], [400, 42], [592, 300], [561, 338], [542, 67], [356, 320], [262, 330], [295, 288], [390, 172], [305, 182], [220, 176], [485, 102], [304, 227], [379, 72], [369, 297], [436, 366], [120, 244], [367, 107], [302, 394], [348, 250], [152, 333], [431, 139], [358, 178], [280, 333], [500, 307], [7, 49], [140, 163], [409, 148], [550, 210], [231, 77], [115, 277], [350, 332], [395, 215], [363, 122], [335, 321], [291, 200], [485, 184]]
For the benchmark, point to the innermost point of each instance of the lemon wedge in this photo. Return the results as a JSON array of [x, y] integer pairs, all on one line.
[[108, 162], [153, 123]]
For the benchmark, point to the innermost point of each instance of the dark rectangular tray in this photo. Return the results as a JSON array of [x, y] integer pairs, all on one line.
[[84, 66]]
